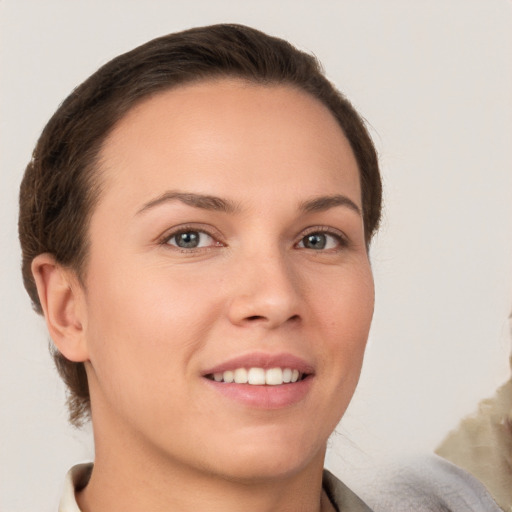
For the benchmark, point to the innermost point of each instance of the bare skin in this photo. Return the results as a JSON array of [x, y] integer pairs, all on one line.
[[229, 228]]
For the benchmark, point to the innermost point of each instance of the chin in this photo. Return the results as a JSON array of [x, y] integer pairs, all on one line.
[[263, 460]]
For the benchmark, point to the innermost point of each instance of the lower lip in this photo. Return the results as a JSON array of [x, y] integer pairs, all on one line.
[[264, 397]]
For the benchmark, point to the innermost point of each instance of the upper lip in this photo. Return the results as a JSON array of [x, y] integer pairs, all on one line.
[[263, 360]]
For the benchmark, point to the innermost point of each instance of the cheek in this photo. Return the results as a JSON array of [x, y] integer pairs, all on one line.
[[344, 313], [343, 308], [345, 304], [144, 327]]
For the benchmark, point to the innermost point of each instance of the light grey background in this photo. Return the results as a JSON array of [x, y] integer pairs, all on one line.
[[434, 79]]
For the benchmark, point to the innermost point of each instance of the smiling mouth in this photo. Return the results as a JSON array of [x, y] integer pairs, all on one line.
[[259, 376]]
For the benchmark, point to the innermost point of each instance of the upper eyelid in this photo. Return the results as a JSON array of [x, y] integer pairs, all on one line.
[[323, 229]]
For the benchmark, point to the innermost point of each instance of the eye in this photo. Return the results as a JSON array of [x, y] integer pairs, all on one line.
[[320, 241], [191, 239]]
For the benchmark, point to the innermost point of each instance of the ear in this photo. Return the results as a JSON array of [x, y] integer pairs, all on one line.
[[63, 304]]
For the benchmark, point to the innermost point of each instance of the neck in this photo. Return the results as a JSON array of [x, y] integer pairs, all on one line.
[[131, 477], [113, 488]]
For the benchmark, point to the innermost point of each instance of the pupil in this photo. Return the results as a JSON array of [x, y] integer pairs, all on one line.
[[188, 240], [315, 241]]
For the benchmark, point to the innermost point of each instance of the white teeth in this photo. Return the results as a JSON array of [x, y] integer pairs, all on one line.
[[258, 376], [228, 376], [240, 376], [274, 376]]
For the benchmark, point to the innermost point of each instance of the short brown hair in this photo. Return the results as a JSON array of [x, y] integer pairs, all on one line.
[[60, 185]]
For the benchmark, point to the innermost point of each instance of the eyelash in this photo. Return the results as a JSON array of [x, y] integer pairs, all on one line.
[[338, 236], [341, 240], [164, 241]]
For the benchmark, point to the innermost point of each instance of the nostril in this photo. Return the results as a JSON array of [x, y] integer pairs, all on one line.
[[260, 317]]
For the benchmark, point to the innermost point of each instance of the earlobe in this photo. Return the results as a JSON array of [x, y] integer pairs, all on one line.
[[61, 298]]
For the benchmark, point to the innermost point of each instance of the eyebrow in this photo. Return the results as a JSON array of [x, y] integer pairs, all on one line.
[[213, 203], [205, 202], [323, 203]]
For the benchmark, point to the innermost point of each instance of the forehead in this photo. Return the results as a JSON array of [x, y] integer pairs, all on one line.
[[228, 132]]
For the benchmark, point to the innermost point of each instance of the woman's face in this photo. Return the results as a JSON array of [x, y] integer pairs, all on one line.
[[227, 240]]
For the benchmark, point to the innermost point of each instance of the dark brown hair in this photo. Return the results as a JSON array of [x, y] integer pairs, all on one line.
[[61, 182]]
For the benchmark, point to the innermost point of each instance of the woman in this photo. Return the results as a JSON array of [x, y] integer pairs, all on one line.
[[195, 224]]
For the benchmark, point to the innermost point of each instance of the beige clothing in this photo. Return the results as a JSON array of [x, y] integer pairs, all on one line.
[[339, 494], [482, 445], [77, 478]]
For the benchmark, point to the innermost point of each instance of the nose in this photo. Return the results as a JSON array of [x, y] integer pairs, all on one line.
[[266, 292]]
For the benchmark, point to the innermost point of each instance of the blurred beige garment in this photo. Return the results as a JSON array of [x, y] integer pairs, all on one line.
[[482, 444]]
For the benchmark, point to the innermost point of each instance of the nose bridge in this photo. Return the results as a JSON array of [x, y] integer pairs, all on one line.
[[266, 288]]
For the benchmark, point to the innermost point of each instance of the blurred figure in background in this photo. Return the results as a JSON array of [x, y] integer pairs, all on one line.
[[482, 444]]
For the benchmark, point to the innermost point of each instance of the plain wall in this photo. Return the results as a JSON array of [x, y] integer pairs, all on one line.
[[434, 80]]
